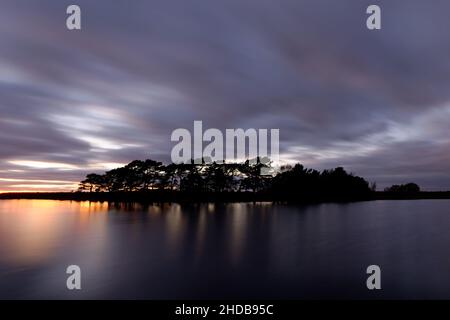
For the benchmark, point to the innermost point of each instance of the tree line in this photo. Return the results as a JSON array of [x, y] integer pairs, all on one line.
[[288, 182], [409, 188]]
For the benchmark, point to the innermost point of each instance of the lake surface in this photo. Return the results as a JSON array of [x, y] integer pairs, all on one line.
[[235, 250]]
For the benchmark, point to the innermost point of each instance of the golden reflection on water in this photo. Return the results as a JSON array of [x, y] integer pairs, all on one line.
[[31, 230], [93, 207], [28, 229]]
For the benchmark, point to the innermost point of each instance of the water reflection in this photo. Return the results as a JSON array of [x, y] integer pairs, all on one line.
[[237, 215], [237, 250], [29, 230], [175, 223]]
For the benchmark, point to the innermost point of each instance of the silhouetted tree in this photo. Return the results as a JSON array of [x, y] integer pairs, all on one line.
[[252, 178], [93, 182], [168, 178], [291, 182], [191, 178], [300, 183], [409, 188]]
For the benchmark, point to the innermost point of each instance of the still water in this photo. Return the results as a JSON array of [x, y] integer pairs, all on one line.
[[238, 250]]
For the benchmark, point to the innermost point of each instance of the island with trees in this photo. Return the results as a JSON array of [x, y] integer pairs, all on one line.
[[201, 181]]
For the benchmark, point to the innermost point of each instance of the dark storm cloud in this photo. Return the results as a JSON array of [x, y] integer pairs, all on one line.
[[376, 102]]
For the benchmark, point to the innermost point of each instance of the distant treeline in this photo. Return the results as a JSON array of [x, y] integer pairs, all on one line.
[[409, 188], [289, 183]]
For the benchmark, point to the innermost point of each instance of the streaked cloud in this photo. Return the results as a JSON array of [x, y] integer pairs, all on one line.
[[374, 102], [42, 165]]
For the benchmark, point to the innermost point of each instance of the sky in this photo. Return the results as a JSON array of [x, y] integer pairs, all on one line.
[[75, 102]]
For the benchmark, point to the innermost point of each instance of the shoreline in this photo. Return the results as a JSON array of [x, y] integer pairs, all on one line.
[[188, 197]]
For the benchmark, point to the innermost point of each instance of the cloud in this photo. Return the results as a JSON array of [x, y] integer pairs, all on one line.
[[376, 102]]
